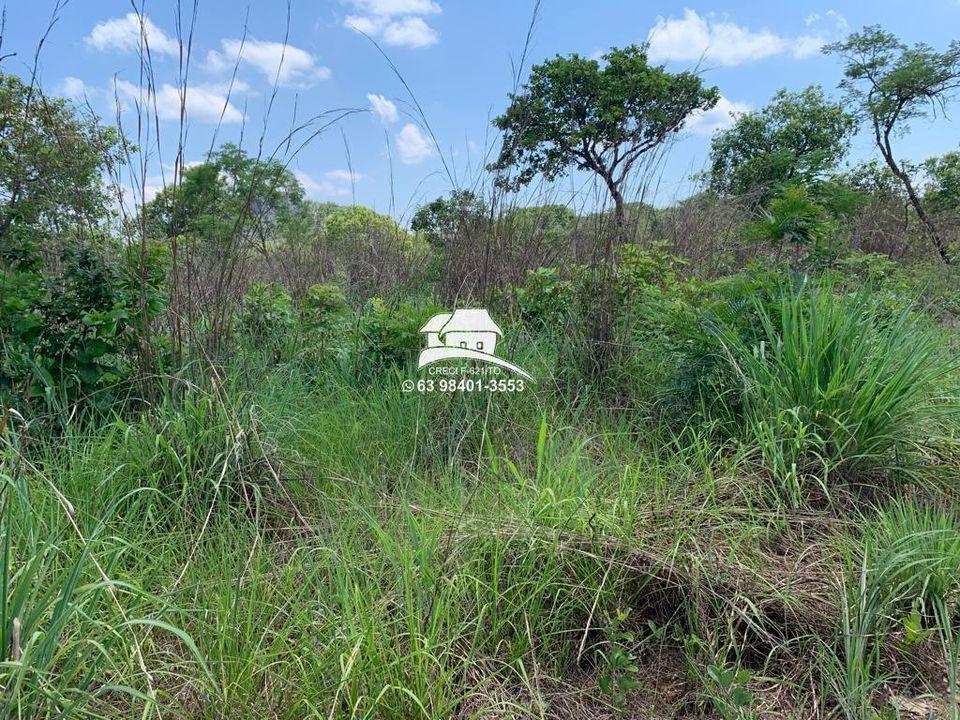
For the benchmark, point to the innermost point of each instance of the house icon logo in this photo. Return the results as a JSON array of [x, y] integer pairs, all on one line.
[[466, 334]]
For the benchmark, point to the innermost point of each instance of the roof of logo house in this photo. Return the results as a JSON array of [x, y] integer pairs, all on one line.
[[467, 334]]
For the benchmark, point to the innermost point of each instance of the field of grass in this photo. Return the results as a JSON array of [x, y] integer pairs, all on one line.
[[296, 539]]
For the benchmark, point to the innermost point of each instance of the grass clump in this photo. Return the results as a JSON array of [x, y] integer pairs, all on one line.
[[837, 384]]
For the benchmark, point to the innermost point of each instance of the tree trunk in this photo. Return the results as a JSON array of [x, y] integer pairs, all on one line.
[[604, 311], [904, 178]]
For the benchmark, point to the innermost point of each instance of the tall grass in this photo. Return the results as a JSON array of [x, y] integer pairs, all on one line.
[[840, 384]]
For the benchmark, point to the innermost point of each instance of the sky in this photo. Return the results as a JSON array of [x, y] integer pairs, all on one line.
[[394, 126]]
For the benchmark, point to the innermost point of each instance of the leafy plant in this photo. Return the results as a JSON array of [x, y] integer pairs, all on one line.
[[838, 382], [320, 307], [731, 697], [545, 299], [389, 335], [266, 313], [619, 675], [794, 219]]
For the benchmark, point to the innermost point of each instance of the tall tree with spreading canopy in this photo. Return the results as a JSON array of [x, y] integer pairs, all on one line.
[[797, 138], [894, 83], [575, 112]]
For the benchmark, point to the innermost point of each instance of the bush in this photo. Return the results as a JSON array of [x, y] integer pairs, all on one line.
[[266, 314], [390, 334], [321, 306], [836, 382], [68, 336], [797, 220], [545, 299], [640, 267]]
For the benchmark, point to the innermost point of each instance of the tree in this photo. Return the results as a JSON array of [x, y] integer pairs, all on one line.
[[797, 138], [550, 225], [231, 199], [370, 251], [69, 296], [575, 112], [52, 164], [442, 219], [893, 84], [943, 182]]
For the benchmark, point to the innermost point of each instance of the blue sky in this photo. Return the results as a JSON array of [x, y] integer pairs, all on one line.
[[456, 56]]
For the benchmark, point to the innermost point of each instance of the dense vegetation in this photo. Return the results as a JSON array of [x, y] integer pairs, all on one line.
[[730, 493]]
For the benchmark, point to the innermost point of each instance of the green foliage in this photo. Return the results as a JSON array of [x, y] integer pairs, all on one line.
[[917, 550], [68, 307], [618, 675], [893, 84], [56, 647], [575, 112], [838, 383], [321, 306], [196, 450], [640, 267], [355, 229], [545, 299], [729, 691], [369, 249], [441, 220], [390, 333], [47, 139], [796, 139], [794, 219], [71, 336], [943, 185], [229, 201], [266, 313], [549, 226]]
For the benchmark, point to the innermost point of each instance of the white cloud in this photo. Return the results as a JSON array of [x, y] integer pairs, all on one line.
[[204, 102], [390, 8], [695, 37], [823, 30], [333, 184], [719, 117], [808, 45], [412, 145], [125, 34], [395, 22], [410, 32], [74, 88], [296, 66], [382, 108]]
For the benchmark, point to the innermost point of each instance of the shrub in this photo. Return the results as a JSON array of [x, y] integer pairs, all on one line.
[[266, 313], [797, 220], [70, 335], [836, 382], [389, 335], [545, 299], [321, 306], [640, 267]]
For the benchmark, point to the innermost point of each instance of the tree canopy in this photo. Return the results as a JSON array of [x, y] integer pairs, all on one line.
[[943, 182], [232, 196], [892, 84], [576, 112], [52, 164], [797, 137], [440, 219]]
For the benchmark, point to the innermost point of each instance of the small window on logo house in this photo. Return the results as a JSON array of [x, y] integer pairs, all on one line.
[[463, 344], [479, 344]]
